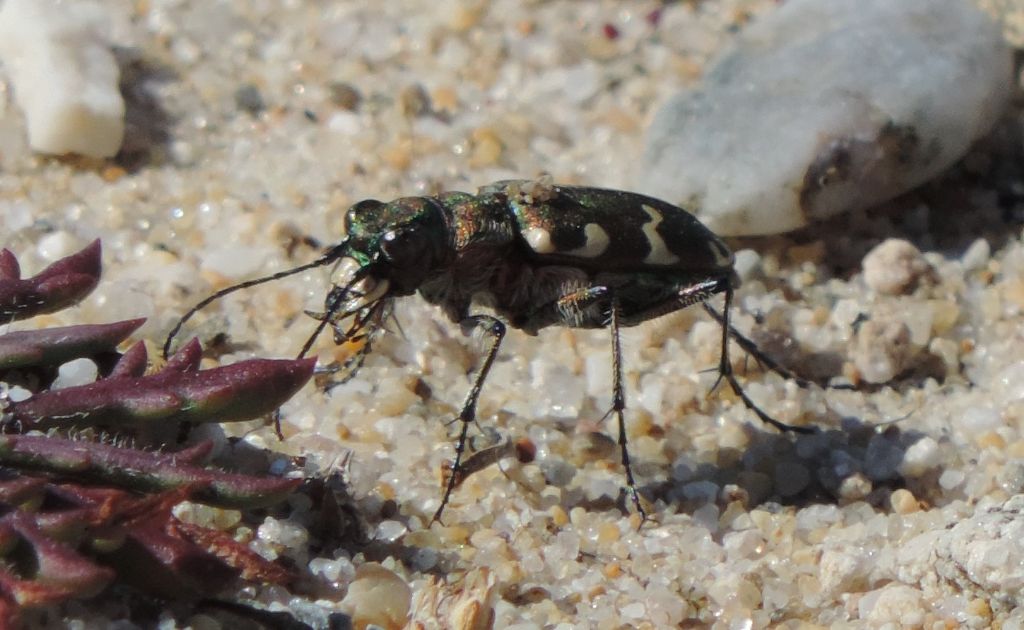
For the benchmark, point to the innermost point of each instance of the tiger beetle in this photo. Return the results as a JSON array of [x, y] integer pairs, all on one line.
[[537, 255]]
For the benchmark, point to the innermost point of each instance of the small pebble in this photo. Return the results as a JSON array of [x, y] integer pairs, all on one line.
[[390, 531], [922, 456], [377, 596], [882, 458], [248, 99], [855, 487], [819, 108], [894, 267], [414, 101], [881, 350], [903, 501], [345, 96], [977, 255]]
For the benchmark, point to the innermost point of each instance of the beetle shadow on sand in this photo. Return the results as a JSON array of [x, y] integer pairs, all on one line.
[[856, 461]]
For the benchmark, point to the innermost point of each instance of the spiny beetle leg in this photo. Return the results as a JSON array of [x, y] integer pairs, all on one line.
[[618, 406], [751, 348], [725, 371], [492, 327]]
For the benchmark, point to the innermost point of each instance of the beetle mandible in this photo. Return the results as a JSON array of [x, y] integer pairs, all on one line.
[[536, 254]]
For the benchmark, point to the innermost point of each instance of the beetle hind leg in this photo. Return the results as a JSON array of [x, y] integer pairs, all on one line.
[[751, 348], [725, 372]]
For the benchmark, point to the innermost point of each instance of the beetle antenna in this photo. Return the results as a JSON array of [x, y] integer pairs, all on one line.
[[330, 256]]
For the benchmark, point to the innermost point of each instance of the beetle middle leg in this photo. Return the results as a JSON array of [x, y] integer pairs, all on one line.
[[619, 406], [495, 329], [575, 307]]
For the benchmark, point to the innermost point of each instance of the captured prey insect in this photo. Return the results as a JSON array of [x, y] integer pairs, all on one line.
[[536, 254]]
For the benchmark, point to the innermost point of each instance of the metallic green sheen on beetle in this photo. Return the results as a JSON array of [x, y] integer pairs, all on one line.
[[537, 255], [540, 255]]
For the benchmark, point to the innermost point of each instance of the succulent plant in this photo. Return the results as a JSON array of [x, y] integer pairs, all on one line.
[[79, 514]]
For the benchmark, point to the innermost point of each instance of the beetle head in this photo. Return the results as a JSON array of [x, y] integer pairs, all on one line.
[[403, 241]]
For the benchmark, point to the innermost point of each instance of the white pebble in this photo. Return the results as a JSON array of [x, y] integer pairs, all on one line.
[[390, 531], [950, 479], [64, 74], [75, 372], [977, 420], [894, 267], [18, 394], [56, 245], [236, 261], [747, 264], [977, 255], [882, 350], [377, 596], [922, 456], [329, 569], [897, 604]]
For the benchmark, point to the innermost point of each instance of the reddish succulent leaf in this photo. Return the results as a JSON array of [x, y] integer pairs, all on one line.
[[132, 363], [21, 489], [10, 612], [142, 470], [50, 529], [162, 564], [60, 285], [58, 565], [27, 593], [240, 391], [186, 359], [68, 525], [9, 267], [53, 346], [251, 565]]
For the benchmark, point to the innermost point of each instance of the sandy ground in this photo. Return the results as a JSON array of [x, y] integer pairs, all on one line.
[[253, 125]]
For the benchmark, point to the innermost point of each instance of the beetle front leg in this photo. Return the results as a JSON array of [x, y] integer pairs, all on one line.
[[495, 329], [618, 408]]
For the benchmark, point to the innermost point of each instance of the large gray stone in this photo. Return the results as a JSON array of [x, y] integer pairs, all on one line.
[[825, 106]]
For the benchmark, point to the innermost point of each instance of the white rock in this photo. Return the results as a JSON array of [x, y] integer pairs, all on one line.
[[896, 604], [825, 106], [882, 349], [75, 372], [377, 596], [922, 456], [894, 267], [978, 556], [64, 74]]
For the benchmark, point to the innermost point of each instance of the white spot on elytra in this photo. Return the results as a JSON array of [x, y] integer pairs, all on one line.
[[594, 244], [723, 255], [660, 254], [539, 240]]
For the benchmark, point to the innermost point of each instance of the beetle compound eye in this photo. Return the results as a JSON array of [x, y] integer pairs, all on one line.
[[404, 248], [362, 216]]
